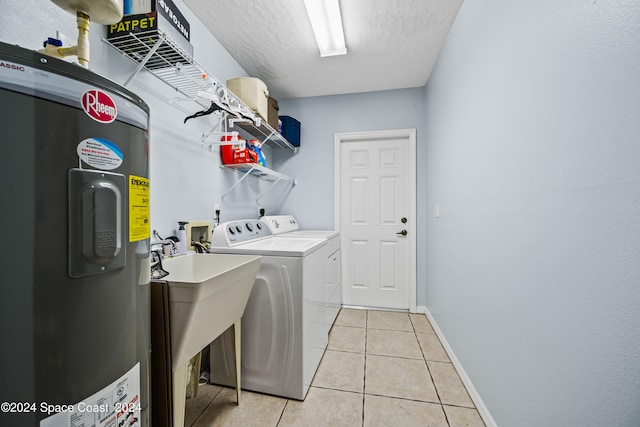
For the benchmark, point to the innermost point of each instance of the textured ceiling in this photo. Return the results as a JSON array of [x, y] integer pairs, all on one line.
[[391, 44]]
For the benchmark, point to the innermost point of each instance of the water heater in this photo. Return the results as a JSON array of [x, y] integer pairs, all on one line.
[[75, 305]]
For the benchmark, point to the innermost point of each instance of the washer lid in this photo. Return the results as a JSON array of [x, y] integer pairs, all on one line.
[[314, 234], [280, 246]]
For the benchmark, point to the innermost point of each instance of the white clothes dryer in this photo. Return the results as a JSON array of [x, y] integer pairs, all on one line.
[[288, 226], [283, 331]]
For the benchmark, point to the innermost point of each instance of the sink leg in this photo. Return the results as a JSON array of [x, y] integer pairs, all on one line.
[[237, 342], [194, 375], [179, 395]]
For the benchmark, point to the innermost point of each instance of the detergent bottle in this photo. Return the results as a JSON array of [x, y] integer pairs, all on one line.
[[256, 146], [183, 245]]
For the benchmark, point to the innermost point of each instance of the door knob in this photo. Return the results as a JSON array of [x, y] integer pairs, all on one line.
[[404, 220], [403, 232]]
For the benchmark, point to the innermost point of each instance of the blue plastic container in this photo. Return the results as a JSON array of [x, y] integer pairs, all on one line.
[[291, 130]]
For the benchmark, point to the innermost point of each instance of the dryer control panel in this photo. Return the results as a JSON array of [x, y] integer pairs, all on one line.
[[232, 233], [279, 224]]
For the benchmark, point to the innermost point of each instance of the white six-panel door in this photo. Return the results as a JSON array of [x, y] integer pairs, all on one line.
[[377, 218]]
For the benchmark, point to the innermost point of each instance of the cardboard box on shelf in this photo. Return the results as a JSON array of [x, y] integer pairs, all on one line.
[[272, 114], [253, 92]]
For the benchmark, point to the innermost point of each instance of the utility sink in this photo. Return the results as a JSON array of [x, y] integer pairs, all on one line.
[[207, 294]]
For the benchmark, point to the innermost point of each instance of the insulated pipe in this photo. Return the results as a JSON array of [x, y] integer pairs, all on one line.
[[59, 52], [81, 50], [83, 38]]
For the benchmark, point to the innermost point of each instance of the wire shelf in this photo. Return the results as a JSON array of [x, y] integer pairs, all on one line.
[[166, 60], [260, 171]]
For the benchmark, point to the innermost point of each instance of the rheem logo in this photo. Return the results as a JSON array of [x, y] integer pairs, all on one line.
[[99, 106]]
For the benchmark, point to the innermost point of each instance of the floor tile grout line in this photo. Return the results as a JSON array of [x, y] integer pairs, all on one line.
[[347, 326], [430, 375], [336, 389], [404, 398], [460, 406], [282, 412], [362, 409], [447, 361], [434, 383], [344, 351], [395, 357], [446, 418], [463, 386], [424, 356]]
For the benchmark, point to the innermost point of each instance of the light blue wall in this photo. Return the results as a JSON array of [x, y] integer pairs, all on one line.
[[312, 200], [529, 144], [533, 274]]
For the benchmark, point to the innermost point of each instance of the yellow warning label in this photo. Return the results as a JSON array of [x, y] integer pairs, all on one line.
[[139, 218]]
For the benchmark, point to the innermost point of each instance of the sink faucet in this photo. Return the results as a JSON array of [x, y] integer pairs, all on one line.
[[166, 242], [157, 272], [171, 241]]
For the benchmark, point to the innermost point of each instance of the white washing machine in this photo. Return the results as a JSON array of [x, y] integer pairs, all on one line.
[[287, 226], [283, 333]]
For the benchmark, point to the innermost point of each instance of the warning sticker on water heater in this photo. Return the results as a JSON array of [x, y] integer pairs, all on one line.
[[100, 153], [118, 404], [139, 226]]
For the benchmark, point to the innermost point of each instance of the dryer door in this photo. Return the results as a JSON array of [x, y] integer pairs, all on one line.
[[271, 334]]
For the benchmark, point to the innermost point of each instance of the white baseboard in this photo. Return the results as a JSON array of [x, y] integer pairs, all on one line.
[[421, 309], [473, 393]]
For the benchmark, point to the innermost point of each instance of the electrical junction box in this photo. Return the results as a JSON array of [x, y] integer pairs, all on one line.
[[146, 18], [198, 231]]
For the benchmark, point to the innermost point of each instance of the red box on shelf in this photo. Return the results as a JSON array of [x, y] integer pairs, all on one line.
[[236, 152]]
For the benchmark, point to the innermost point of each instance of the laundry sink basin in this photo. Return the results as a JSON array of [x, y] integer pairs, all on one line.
[[207, 294]]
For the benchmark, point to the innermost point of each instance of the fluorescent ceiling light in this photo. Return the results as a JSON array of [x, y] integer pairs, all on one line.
[[327, 26]]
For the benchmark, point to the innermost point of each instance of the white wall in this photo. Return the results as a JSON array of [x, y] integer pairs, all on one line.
[[533, 269], [321, 118], [186, 179]]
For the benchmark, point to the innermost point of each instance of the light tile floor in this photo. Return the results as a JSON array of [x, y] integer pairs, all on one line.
[[380, 369]]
